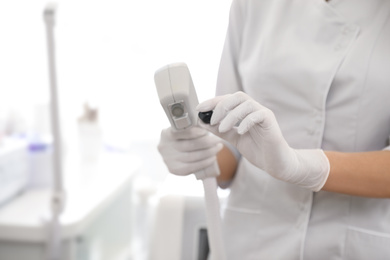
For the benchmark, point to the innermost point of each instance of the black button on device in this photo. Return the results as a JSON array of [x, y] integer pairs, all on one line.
[[205, 116]]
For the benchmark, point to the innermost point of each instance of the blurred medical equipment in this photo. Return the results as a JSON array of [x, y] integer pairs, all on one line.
[[58, 193], [41, 163], [40, 143], [95, 224], [14, 168], [180, 212], [90, 134], [178, 98]]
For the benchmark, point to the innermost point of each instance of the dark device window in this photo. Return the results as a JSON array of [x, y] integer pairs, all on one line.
[[204, 249]]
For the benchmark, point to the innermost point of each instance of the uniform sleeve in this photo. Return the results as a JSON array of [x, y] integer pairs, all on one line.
[[228, 80]]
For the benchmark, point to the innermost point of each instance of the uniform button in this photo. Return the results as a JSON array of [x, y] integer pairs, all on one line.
[[348, 30]]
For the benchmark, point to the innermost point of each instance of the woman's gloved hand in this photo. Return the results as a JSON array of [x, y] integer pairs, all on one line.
[[193, 150], [259, 139]]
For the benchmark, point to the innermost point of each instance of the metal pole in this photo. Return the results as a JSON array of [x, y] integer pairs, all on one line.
[[58, 195]]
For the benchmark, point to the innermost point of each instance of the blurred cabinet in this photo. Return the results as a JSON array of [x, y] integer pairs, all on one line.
[[14, 168], [96, 223]]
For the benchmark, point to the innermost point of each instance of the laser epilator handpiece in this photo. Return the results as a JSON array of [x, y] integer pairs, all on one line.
[[178, 97], [205, 116]]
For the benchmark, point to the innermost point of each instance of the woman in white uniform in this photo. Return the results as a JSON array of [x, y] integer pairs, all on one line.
[[309, 171]]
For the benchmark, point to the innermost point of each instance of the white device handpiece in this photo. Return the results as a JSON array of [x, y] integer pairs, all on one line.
[[178, 97]]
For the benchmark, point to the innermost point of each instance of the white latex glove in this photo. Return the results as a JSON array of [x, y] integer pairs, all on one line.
[[259, 139], [193, 150]]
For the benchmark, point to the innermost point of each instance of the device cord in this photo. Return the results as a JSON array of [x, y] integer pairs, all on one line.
[[213, 218]]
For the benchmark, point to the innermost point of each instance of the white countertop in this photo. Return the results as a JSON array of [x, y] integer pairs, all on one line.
[[89, 188]]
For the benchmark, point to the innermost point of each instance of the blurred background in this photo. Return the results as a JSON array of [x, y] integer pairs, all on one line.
[[110, 117], [107, 52]]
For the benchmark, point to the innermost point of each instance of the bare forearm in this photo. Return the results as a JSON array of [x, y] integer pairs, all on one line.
[[362, 174], [227, 164]]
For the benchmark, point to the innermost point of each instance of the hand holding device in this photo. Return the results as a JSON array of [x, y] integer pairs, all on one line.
[[190, 151], [184, 147], [260, 140]]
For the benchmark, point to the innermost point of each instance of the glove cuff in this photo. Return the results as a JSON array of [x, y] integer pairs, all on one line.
[[314, 169]]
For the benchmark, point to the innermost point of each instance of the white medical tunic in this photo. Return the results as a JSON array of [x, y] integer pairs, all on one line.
[[323, 68]]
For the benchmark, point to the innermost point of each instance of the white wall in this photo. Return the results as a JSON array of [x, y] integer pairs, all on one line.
[[107, 52]]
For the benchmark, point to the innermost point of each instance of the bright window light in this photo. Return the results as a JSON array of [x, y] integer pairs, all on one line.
[[107, 52]]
